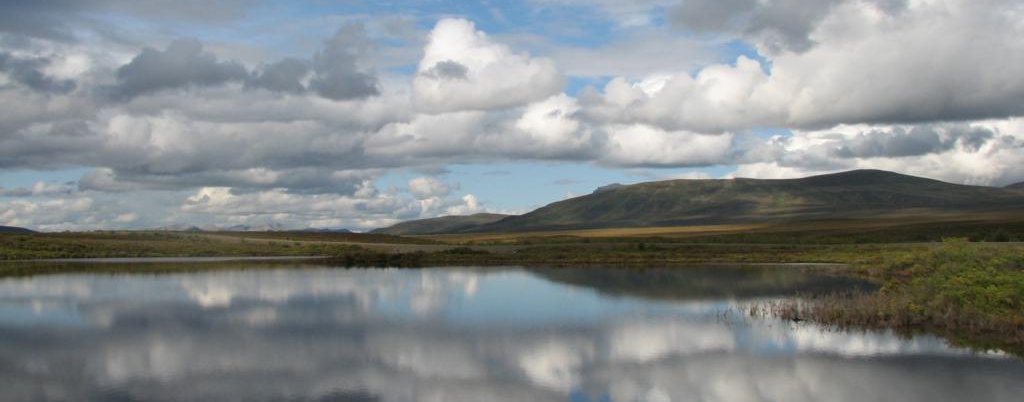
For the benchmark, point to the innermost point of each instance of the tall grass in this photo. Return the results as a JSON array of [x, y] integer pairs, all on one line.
[[972, 294]]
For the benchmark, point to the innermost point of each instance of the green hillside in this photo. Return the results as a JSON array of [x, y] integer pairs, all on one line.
[[853, 194], [14, 229]]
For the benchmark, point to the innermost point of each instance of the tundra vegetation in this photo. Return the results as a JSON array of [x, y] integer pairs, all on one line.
[[972, 294]]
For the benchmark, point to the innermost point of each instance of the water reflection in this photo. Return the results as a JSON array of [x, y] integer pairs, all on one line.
[[454, 334]]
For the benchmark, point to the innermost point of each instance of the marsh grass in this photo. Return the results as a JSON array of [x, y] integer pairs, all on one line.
[[969, 293], [187, 244]]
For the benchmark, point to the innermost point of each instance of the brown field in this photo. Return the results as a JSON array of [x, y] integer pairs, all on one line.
[[667, 231], [828, 227]]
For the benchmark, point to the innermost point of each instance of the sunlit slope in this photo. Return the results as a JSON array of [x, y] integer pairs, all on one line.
[[853, 194], [444, 224]]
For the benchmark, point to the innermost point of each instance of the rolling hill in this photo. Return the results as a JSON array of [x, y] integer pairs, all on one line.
[[852, 194], [1016, 186], [444, 224], [15, 229]]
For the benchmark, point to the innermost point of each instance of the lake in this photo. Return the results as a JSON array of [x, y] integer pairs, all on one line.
[[298, 331]]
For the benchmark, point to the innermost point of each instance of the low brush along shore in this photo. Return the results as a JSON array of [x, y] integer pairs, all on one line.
[[971, 294]]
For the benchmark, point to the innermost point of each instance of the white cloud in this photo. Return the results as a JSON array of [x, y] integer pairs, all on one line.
[[463, 69], [367, 209], [982, 153], [426, 187], [470, 205], [551, 127], [858, 71], [51, 214], [644, 145]]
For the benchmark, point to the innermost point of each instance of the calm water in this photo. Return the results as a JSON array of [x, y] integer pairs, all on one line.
[[321, 334]]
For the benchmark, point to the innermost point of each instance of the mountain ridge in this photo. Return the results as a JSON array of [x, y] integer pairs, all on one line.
[[852, 194], [719, 201], [15, 230]]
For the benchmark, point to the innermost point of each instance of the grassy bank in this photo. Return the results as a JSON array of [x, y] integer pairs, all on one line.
[[662, 254], [382, 250], [882, 229], [972, 294], [118, 244]]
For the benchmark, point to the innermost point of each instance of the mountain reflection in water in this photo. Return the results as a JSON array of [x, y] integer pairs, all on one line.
[[470, 334]]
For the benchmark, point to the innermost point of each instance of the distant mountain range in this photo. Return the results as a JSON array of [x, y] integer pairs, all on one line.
[[15, 229], [444, 224], [246, 228], [1016, 186], [852, 194]]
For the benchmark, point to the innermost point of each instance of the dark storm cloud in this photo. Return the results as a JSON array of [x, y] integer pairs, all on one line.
[[36, 18], [779, 24], [28, 72], [183, 64], [712, 15], [336, 68], [65, 143], [282, 76], [919, 140], [782, 24]]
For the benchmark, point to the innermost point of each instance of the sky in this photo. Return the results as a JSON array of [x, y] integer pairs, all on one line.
[[118, 114]]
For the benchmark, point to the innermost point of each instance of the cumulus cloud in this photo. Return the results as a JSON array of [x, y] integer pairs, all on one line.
[[487, 75], [182, 64], [338, 76], [220, 206], [426, 187], [976, 153], [913, 141], [286, 75], [70, 213], [717, 99], [29, 72], [643, 145], [547, 129], [778, 24], [333, 73], [365, 208], [314, 124], [857, 72]]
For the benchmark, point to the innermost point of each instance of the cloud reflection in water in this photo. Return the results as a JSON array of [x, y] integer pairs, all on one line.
[[442, 334]]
